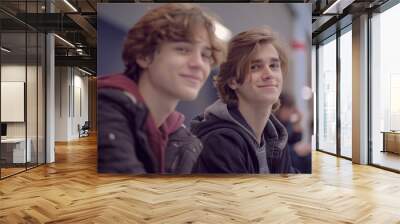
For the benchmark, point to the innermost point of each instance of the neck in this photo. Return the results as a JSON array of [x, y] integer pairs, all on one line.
[[160, 104], [256, 116]]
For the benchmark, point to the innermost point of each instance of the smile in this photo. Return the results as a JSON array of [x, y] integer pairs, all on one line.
[[192, 78], [268, 86]]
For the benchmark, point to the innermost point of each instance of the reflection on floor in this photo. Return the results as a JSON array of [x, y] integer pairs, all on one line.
[[347, 152], [10, 168], [9, 171], [386, 159]]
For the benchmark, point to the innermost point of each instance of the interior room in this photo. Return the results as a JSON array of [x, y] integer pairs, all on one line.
[[49, 65]]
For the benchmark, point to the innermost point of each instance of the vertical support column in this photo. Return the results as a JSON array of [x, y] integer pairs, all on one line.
[[50, 92], [360, 90], [338, 95]]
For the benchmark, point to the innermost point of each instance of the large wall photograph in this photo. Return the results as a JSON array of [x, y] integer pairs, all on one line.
[[210, 88]]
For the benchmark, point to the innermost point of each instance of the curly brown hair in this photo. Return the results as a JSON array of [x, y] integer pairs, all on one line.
[[241, 49], [169, 22]]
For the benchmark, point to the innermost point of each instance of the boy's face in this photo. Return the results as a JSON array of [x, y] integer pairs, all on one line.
[[263, 83], [179, 69]]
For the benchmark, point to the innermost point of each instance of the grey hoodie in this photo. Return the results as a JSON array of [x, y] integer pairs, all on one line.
[[230, 144]]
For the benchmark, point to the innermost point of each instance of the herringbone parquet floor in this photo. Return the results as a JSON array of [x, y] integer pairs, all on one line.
[[70, 191]]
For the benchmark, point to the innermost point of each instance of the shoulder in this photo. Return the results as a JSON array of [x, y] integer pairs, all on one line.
[[118, 100], [224, 141], [224, 151], [116, 95]]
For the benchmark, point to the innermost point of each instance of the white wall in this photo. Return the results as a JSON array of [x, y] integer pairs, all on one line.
[[70, 84], [13, 72], [61, 103], [80, 100]]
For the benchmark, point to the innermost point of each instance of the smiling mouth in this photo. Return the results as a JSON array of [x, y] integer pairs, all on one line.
[[192, 78], [268, 86]]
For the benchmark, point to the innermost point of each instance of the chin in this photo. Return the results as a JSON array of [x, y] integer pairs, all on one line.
[[269, 99], [188, 95]]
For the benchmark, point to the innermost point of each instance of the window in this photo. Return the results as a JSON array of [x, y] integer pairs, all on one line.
[[346, 93], [327, 96], [385, 87]]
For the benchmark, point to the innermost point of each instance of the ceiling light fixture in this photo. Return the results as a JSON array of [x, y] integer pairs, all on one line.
[[65, 41], [337, 7], [5, 49], [86, 72], [70, 5]]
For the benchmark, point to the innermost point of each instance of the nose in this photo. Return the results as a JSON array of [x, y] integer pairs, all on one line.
[[266, 73], [196, 60]]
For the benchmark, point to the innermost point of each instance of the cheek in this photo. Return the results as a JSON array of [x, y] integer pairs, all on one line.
[[250, 79], [279, 74], [207, 71], [280, 77]]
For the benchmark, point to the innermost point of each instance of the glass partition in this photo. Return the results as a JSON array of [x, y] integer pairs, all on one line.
[[22, 88], [31, 98], [13, 109], [346, 93], [327, 96]]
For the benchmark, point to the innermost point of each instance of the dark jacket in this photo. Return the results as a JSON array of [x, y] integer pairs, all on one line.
[[230, 145], [128, 141], [301, 163]]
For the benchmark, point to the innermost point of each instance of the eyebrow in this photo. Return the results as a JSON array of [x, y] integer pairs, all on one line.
[[271, 60], [207, 47]]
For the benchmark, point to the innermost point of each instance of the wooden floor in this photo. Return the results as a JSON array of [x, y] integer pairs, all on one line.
[[5, 172], [10, 171], [70, 191]]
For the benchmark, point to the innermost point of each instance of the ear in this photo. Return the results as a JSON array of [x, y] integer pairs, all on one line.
[[143, 62], [233, 84]]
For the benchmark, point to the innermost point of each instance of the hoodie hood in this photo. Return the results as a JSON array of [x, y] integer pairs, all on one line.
[[157, 137], [120, 81], [218, 115]]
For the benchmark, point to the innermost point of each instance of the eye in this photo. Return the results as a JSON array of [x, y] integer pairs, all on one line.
[[255, 67], [275, 66], [182, 49]]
